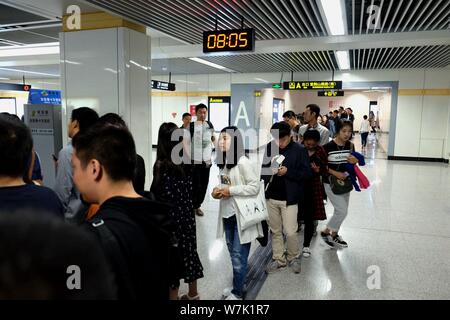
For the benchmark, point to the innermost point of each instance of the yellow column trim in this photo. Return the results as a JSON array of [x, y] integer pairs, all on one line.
[[424, 92], [102, 20], [155, 93]]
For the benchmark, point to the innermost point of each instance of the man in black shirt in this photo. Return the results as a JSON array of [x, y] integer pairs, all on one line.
[[285, 169], [16, 146], [134, 232]]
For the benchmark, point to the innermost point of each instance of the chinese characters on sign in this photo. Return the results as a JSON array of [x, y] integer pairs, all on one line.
[[312, 85]]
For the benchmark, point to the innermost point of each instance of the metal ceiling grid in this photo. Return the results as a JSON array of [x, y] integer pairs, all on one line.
[[400, 57], [398, 15], [277, 19], [272, 19]]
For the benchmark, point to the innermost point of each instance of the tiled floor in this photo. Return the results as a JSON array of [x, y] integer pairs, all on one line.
[[400, 226]]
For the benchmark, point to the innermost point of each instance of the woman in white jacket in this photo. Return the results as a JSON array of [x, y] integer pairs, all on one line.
[[238, 178]]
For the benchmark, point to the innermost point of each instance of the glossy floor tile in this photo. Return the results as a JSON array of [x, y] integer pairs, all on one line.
[[400, 228]]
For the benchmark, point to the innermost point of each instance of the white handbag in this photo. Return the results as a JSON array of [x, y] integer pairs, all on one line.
[[252, 209]]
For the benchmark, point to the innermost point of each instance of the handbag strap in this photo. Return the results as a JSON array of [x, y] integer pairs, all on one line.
[[109, 242]]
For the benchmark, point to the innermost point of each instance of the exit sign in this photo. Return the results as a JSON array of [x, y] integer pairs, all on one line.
[[277, 86]]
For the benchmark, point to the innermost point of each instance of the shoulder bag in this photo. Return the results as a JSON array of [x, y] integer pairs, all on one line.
[[252, 209]]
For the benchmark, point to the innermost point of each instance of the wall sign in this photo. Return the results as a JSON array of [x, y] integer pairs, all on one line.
[[229, 40], [330, 93], [161, 85], [219, 109], [38, 96], [312, 85]]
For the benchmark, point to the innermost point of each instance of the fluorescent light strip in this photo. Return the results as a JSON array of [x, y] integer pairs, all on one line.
[[30, 72], [111, 70], [334, 14], [210, 64], [262, 80], [138, 65], [343, 60], [32, 50]]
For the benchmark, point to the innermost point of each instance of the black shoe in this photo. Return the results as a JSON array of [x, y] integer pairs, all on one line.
[[339, 241], [327, 239]]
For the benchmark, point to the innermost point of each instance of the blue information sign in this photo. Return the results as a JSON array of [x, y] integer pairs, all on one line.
[[39, 96]]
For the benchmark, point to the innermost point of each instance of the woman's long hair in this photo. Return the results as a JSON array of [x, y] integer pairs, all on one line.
[[230, 159], [164, 162]]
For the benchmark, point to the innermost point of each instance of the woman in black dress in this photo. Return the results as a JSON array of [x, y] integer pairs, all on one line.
[[172, 183]]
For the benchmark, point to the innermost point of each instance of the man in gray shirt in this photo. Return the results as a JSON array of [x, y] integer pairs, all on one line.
[[311, 114], [81, 120]]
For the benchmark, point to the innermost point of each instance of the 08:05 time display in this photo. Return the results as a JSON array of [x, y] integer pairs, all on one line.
[[234, 40]]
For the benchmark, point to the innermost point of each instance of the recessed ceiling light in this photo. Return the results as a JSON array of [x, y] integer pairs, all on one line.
[[343, 60], [334, 11], [30, 50], [30, 72]]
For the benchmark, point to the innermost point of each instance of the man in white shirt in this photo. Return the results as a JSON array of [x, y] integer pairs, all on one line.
[[202, 139], [364, 131], [311, 114]]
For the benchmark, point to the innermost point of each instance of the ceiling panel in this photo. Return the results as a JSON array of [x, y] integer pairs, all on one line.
[[278, 19]]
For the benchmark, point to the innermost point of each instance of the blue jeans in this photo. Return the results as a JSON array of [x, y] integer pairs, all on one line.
[[239, 255]]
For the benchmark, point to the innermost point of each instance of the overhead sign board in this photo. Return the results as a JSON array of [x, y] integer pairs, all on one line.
[[229, 40], [161, 85], [312, 85], [330, 93], [15, 87]]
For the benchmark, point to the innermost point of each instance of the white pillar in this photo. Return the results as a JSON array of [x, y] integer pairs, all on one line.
[[109, 70]]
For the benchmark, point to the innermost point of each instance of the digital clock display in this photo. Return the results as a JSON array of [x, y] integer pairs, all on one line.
[[229, 40]]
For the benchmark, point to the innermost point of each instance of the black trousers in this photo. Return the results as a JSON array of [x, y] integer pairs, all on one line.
[[200, 180], [308, 213]]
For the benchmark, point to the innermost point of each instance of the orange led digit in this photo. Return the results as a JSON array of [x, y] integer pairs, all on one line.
[[213, 45], [221, 41], [243, 37], [233, 40]]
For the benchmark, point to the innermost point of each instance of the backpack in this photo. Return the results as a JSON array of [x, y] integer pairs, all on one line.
[[192, 126]]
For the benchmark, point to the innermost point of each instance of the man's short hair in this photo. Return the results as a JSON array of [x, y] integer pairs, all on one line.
[[365, 117], [314, 108], [311, 135], [283, 128], [186, 115], [290, 115], [86, 117], [111, 119], [112, 146], [200, 106], [15, 145]]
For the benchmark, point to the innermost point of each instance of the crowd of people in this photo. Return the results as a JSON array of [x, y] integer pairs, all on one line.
[[145, 241]]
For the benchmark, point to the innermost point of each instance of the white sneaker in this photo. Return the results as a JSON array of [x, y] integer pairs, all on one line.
[[226, 292], [232, 297], [306, 252]]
